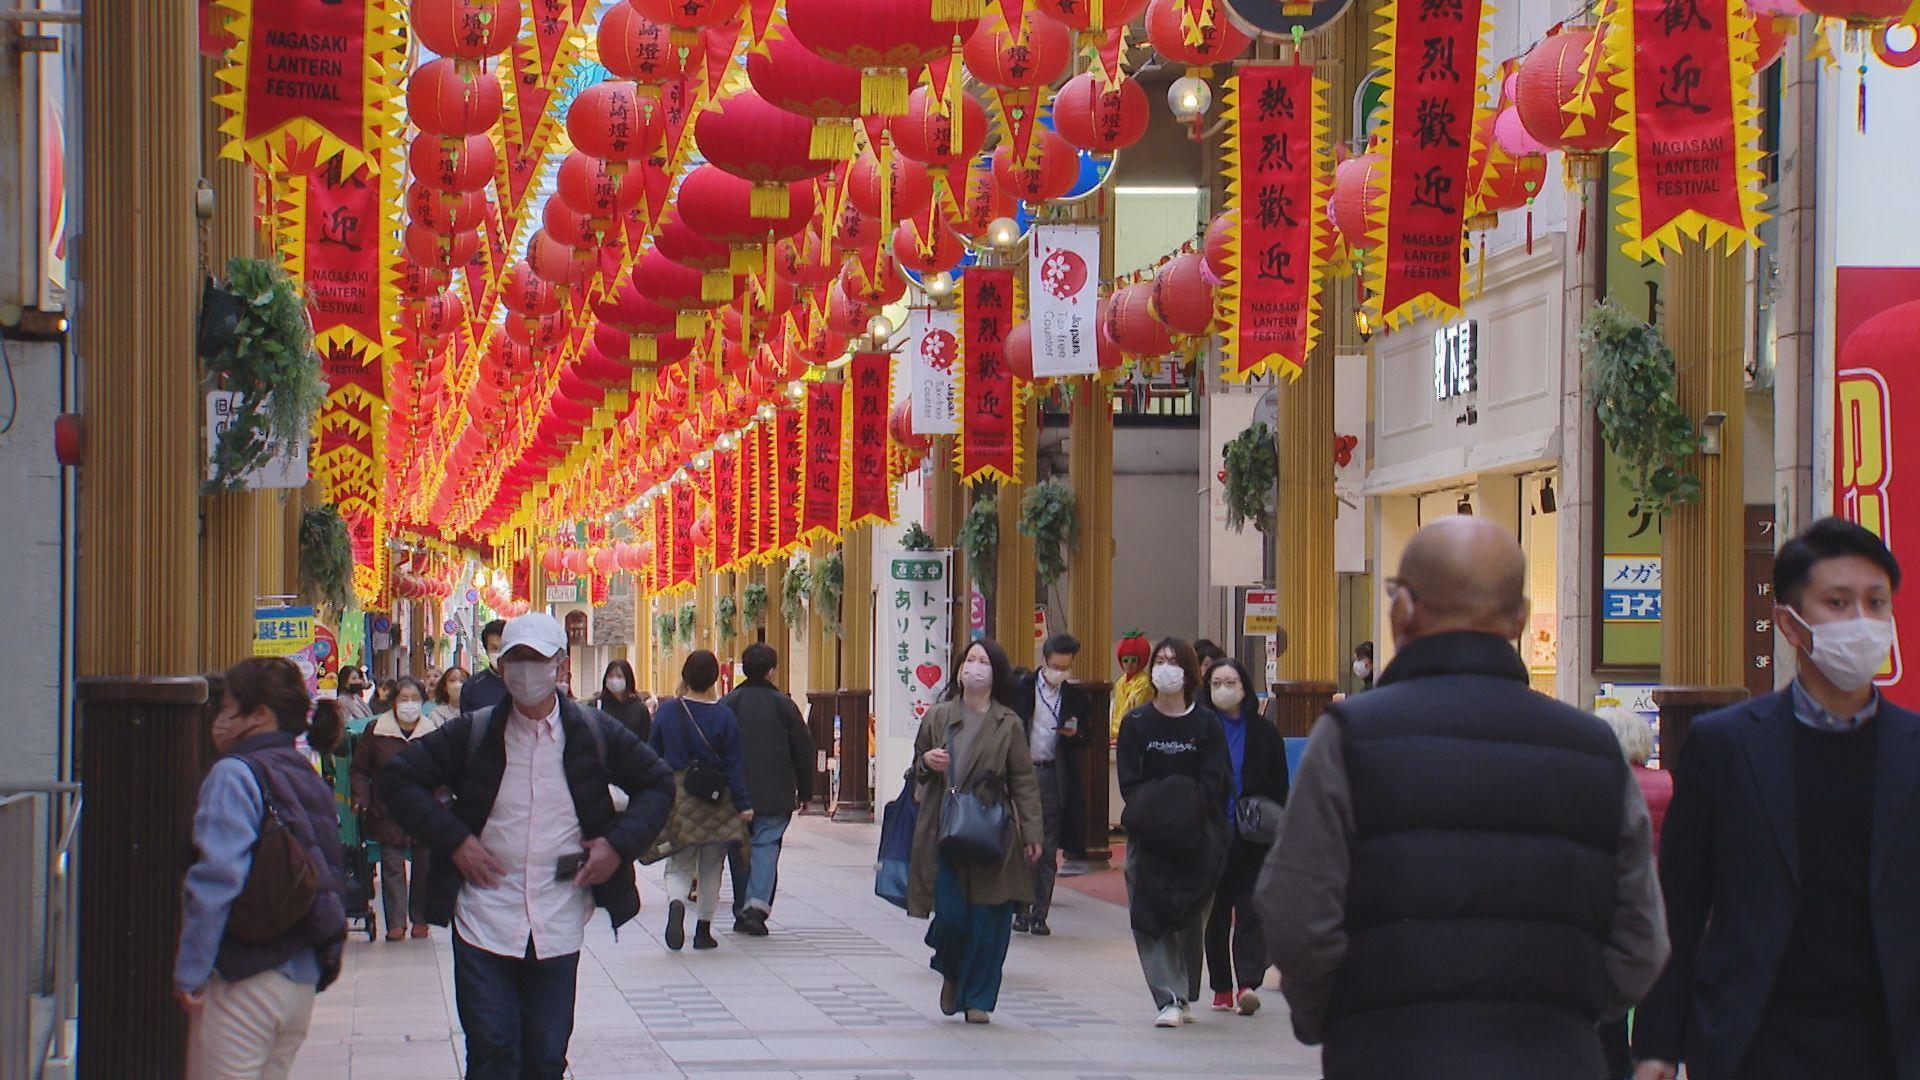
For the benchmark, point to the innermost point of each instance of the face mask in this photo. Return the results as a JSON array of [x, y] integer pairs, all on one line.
[[1054, 676], [493, 659], [1362, 669], [531, 682], [407, 711], [616, 685], [1229, 698], [975, 675], [1849, 652], [1168, 678], [453, 691]]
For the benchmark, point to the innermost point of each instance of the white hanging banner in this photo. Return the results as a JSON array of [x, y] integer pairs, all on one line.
[[916, 632], [933, 351], [1062, 296]]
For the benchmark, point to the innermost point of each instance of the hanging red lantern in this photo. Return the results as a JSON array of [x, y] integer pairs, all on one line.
[[1094, 116], [912, 188], [845, 315], [468, 30], [805, 260], [569, 226], [1355, 206], [984, 201], [1091, 19], [590, 186], [876, 285], [606, 560], [452, 164], [525, 293], [553, 559], [565, 267], [821, 345], [926, 246], [441, 101], [882, 39], [540, 333], [442, 315], [1553, 77], [1107, 354], [575, 559], [678, 286], [1772, 33], [686, 17], [418, 282], [1018, 350], [1860, 15], [1052, 172], [900, 426], [613, 121], [635, 47], [795, 78], [1036, 56], [1182, 295], [717, 204], [445, 251], [758, 141], [444, 212], [1131, 324], [856, 232], [1197, 34], [925, 132], [1219, 261]]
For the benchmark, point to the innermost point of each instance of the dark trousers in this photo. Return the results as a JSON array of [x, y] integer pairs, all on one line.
[[1790, 1047], [517, 1012], [1047, 868], [1614, 1044], [1236, 937]]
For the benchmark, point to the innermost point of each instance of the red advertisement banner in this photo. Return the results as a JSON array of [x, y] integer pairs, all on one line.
[[989, 447], [1277, 176], [869, 388], [1432, 54], [788, 428], [824, 447]]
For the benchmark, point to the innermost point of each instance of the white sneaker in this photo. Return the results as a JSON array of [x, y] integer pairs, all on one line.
[[1186, 1013], [1169, 1017], [1249, 1003]]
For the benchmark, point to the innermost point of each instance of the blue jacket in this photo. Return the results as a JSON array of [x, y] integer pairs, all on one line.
[[674, 739]]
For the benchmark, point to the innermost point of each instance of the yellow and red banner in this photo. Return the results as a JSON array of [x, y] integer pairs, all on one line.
[[990, 411], [662, 542], [684, 513], [1431, 53], [339, 245], [824, 447], [787, 456], [869, 394], [1689, 154], [726, 508], [1278, 179], [308, 72]]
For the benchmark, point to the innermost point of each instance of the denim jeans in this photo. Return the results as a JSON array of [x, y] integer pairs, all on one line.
[[765, 834], [517, 1012]]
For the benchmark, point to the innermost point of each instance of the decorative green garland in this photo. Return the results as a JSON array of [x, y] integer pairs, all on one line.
[[979, 540], [756, 603], [829, 583], [256, 340], [1050, 514], [664, 627], [1252, 465], [916, 539], [1631, 376], [689, 619], [326, 557], [794, 589], [724, 612]]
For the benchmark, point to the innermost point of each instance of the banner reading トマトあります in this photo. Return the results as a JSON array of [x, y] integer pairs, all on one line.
[[310, 72]]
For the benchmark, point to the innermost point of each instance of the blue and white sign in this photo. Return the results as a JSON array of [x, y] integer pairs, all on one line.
[[1630, 588]]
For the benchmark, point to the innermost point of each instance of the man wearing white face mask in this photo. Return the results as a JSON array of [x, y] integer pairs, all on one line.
[[1058, 719], [1789, 855]]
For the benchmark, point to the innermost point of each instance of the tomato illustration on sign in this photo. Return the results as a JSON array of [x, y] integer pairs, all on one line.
[[1063, 274], [941, 349]]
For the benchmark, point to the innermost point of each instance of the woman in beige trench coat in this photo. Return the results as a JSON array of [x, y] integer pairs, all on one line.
[[972, 903]]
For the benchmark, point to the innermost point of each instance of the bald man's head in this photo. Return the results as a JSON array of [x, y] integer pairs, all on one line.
[[1460, 573]]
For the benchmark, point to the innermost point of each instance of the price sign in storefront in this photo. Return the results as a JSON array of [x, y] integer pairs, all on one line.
[[916, 629]]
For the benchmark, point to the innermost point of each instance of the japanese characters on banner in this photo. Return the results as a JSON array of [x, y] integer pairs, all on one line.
[[339, 246], [990, 416], [824, 446], [726, 508], [766, 508], [684, 512], [789, 425], [1432, 56], [1689, 155], [933, 355], [1063, 292], [869, 398], [1277, 174], [915, 613], [307, 72], [662, 544]]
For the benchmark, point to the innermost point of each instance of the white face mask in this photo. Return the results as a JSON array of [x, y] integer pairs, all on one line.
[[1362, 669], [531, 683], [1054, 676], [975, 675], [616, 685], [1228, 698], [1168, 678], [1849, 652], [493, 658], [407, 711]]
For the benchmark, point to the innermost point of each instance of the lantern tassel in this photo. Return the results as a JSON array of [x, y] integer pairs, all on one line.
[[641, 349], [959, 10], [747, 259], [883, 91], [832, 139], [768, 201], [1580, 245], [1480, 269], [689, 324], [1860, 103], [1529, 226]]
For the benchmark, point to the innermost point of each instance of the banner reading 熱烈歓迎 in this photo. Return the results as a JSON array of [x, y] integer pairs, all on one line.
[[933, 350], [1063, 293]]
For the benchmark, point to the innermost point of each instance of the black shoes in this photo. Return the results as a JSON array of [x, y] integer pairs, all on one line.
[[703, 935], [949, 997], [1038, 928], [752, 922], [676, 925], [1019, 924]]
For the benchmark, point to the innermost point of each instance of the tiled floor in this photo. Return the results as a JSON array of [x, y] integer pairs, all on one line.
[[841, 989]]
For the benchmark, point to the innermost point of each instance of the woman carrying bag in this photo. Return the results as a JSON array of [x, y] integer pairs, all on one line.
[[1257, 790], [699, 739], [978, 831]]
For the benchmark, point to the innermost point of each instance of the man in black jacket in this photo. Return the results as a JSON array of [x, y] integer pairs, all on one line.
[[1059, 720], [485, 690], [779, 758], [1463, 886], [529, 847], [1789, 854]]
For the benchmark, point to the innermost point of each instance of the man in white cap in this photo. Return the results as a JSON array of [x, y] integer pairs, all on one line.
[[530, 845]]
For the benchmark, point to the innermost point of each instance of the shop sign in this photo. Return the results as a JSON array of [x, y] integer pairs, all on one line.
[[1456, 360], [287, 469], [1262, 615], [563, 588], [1626, 529], [915, 629], [283, 631], [1630, 588]]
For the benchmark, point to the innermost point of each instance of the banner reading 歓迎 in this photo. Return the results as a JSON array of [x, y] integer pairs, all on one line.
[[990, 418]]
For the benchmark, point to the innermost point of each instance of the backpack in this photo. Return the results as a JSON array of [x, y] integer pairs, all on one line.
[[281, 884]]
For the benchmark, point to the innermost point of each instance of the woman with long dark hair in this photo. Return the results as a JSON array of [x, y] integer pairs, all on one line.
[[621, 699], [973, 741], [1173, 766], [1236, 941], [446, 694]]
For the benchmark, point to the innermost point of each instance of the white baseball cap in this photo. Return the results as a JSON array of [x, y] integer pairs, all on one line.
[[538, 631]]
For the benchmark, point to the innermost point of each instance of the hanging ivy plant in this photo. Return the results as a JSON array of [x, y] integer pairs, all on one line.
[[979, 540], [756, 603], [689, 619], [829, 582], [724, 612], [663, 629], [1252, 465], [1631, 376], [255, 340], [326, 558], [916, 539], [1050, 514], [794, 588]]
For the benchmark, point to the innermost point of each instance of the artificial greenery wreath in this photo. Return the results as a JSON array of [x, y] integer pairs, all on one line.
[[326, 557], [755, 603], [916, 539], [689, 618], [1631, 377], [979, 539], [256, 341], [724, 611], [1050, 514], [794, 588], [663, 629], [1252, 465], [829, 583]]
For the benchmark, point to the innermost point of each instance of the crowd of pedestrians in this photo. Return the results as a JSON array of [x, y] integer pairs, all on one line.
[[1457, 879]]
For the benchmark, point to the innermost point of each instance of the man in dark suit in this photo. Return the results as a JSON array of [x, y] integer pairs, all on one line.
[[1789, 856], [1059, 720], [485, 689]]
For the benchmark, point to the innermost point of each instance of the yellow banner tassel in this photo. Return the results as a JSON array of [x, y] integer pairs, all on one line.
[[716, 286], [883, 91], [884, 152], [956, 89], [768, 200], [832, 139]]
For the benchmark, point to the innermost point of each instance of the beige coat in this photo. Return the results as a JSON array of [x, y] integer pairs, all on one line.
[[1001, 748]]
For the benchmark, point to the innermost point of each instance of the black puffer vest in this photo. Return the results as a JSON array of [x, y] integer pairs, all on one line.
[[1483, 879], [306, 807]]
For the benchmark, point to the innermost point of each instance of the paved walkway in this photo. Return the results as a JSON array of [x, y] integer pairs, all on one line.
[[840, 989]]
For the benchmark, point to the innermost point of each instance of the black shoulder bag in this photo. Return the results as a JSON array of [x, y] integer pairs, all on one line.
[[972, 828], [703, 778]]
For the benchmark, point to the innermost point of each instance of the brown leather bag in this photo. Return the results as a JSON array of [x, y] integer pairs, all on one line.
[[281, 884]]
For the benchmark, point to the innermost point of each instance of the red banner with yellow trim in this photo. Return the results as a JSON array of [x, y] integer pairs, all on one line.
[[869, 379], [1277, 178], [1689, 154], [684, 512], [726, 509], [789, 426], [823, 447], [308, 72], [339, 246], [990, 420], [662, 543]]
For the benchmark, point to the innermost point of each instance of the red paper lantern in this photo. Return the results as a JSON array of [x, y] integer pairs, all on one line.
[[613, 121], [465, 29], [569, 226], [686, 17], [606, 560], [442, 101], [632, 311], [845, 315], [575, 559], [758, 141], [565, 267], [525, 293], [925, 246], [1182, 295], [1051, 173], [984, 201], [452, 164], [1093, 116], [717, 204], [795, 78], [1079, 14], [635, 47], [442, 315], [925, 132], [1107, 354], [1214, 248], [876, 285], [1772, 32], [1018, 349], [419, 282], [1551, 79], [539, 333], [442, 211], [821, 345], [553, 559], [1355, 206], [1131, 324], [900, 426], [1860, 15], [1173, 27], [856, 232], [590, 186], [912, 188], [1036, 57], [447, 252], [882, 39], [805, 260]]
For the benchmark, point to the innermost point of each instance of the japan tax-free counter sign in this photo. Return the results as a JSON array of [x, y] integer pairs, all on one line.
[[916, 625]]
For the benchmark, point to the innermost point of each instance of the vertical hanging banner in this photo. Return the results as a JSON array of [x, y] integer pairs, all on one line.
[[726, 508], [1689, 155], [1277, 177], [1431, 52], [758, 479], [933, 355], [916, 634], [336, 245], [662, 543], [684, 512], [1063, 292], [789, 425], [309, 72], [990, 420], [869, 395], [823, 449]]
